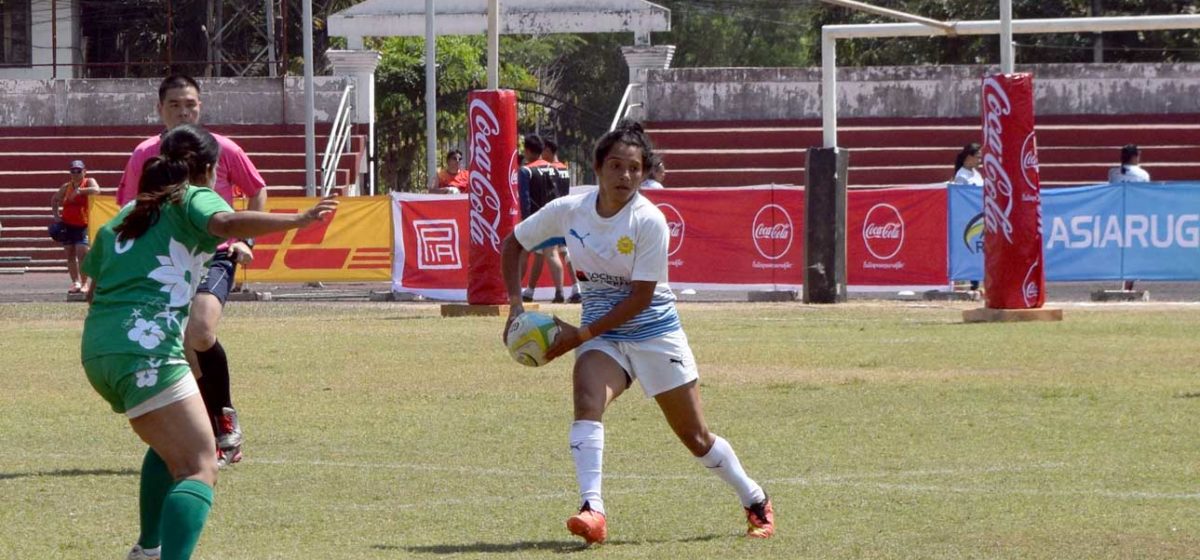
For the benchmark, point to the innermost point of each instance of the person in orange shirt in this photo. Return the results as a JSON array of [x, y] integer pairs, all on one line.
[[451, 179], [70, 208]]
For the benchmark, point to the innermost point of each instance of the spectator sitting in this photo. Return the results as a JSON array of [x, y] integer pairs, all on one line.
[[1129, 171], [966, 166], [966, 172], [658, 174], [451, 179]]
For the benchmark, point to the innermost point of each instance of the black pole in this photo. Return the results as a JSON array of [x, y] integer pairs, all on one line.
[[825, 225]]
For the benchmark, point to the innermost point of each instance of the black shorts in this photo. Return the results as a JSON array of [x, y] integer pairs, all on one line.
[[219, 279], [68, 234]]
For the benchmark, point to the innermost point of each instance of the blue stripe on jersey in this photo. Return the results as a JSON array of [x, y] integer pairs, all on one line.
[[552, 242], [659, 318]]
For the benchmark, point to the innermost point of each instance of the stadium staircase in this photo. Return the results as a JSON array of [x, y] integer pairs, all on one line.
[[34, 161], [1073, 150]]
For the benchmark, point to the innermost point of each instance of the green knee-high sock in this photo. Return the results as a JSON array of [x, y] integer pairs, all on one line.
[[184, 512], [156, 483]]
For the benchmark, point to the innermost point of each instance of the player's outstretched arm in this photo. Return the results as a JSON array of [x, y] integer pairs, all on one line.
[[510, 267], [251, 224]]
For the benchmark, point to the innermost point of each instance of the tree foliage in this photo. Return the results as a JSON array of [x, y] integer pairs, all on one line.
[[570, 85], [400, 100]]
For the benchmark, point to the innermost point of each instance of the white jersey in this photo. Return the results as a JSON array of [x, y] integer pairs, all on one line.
[[608, 255], [968, 177], [1128, 174]]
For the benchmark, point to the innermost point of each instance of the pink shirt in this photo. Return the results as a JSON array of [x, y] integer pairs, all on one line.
[[233, 168]]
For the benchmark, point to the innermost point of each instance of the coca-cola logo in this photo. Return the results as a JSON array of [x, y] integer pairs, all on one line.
[[883, 231], [1030, 287], [1029, 162], [514, 167], [484, 199], [676, 227], [997, 186], [772, 231]]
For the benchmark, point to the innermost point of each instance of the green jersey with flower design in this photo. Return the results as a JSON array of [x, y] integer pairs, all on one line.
[[144, 286]]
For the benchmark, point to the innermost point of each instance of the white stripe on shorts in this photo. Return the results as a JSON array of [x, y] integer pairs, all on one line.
[[182, 389]]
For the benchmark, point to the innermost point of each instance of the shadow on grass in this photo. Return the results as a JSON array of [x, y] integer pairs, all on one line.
[[522, 546], [71, 472]]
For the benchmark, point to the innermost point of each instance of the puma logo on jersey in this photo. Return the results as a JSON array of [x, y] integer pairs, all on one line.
[[677, 361], [576, 235]]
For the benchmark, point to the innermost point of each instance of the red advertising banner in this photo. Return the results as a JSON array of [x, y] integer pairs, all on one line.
[[494, 209], [431, 240], [897, 237], [721, 239], [1014, 272], [749, 236]]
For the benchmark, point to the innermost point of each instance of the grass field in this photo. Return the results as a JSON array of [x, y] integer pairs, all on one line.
[[880, 430]]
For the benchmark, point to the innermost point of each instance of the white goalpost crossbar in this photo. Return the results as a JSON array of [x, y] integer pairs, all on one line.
[[830, 34]]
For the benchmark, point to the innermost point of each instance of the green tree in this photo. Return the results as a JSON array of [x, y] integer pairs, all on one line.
[[400, 99]]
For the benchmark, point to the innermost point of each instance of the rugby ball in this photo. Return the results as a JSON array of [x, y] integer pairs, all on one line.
[[529, 336]]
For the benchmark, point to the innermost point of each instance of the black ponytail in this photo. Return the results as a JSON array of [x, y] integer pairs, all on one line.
[[1128, 152], [629, 133], [188, 152], [967, 151]]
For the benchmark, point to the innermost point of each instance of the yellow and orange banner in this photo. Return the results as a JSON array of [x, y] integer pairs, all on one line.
[[355, 245]]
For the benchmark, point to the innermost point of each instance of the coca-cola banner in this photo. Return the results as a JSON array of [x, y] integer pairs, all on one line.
[[896, 237], [494, 161], [721, 239], [749, 237], [1014, 268]]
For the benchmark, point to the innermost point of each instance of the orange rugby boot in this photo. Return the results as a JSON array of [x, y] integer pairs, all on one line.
[[761, 520], [588, 524]]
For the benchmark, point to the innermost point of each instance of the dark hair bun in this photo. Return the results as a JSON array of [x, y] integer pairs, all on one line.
[[628, 125]]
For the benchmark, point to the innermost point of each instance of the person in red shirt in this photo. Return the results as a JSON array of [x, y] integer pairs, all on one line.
[[451, 179], [70, 208]]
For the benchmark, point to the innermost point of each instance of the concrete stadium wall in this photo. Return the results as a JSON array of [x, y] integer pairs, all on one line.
[[719, 94], [34, 103]]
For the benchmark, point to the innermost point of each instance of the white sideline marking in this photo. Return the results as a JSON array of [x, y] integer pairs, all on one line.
[[1120, 495], [850, 479]]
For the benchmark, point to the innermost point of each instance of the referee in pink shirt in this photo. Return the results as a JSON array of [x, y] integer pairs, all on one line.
[[179, 103]]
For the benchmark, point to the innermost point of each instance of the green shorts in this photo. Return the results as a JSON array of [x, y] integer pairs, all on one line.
[[129, 380]]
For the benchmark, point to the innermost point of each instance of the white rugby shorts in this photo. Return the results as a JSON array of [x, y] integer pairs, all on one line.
[[658, 364]]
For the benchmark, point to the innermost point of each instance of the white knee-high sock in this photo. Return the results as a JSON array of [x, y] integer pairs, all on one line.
[[587, 448], [722, 461]]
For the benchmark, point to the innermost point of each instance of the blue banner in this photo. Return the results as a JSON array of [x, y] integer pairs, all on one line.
[[1135, 231]]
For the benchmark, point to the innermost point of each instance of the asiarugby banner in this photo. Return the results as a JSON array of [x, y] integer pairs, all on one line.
[[1134, 231]]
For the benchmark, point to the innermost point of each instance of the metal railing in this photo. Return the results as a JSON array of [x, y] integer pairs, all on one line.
[[339, 137], [624, 107]]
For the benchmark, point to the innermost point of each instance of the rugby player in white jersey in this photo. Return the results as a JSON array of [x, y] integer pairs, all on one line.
[[630, 330]]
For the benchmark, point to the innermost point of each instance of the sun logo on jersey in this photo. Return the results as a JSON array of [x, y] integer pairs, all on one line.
[[625, 245]]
